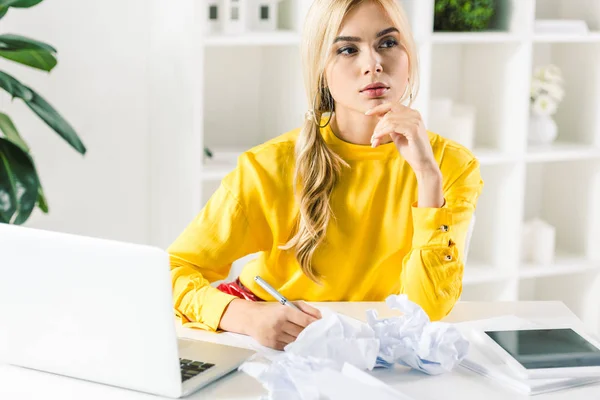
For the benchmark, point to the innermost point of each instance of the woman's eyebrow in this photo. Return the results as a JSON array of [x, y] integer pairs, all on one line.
[[357, 39]]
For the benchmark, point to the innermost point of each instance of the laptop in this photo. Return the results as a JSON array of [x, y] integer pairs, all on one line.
[[99, 310]]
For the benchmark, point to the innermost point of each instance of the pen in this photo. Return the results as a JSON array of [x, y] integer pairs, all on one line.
[[278, 296]]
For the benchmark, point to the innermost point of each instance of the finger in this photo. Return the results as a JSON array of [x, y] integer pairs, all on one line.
[[292, 329], [403, 128], [381, 129], [299, 318], [308, 309], [380, 109], [280, 346], [399, 140], [285, 338], [387, 130]]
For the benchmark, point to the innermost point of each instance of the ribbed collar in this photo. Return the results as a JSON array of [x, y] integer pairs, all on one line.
[[352, 151]]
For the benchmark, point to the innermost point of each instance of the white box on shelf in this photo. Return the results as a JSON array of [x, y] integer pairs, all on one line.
[[539, 240], [440, 107], [454, 121], [241, 16], [235, 19], [214, 17], [263, 15], [463, 125]]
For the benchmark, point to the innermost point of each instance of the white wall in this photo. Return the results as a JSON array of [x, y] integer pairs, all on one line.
[[108, 52]]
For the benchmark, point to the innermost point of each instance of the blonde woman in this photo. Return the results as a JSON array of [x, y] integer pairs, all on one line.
[[358, 203]]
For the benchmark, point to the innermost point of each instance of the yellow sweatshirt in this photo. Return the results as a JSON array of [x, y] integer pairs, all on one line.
[[379, 242]]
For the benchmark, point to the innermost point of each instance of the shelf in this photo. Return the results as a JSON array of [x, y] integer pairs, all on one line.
[[277, 38], [564, 264], [474, 37], [224, 162], [558, 151], [561, 151], [479, 273], [487, 156], [592, 37], [490, 71]]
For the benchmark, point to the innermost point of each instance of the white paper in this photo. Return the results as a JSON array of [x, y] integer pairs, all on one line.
[[329, 358], [413, 340], [338, 338], [292, 377]]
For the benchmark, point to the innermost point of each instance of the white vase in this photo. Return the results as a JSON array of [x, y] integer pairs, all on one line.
[[542, 129]]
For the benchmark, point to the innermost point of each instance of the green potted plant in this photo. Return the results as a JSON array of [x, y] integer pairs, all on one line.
[[463, 15], [20, 187]]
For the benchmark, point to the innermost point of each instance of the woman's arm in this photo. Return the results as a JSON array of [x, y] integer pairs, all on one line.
[[203, 253], [430, 188], [432, 271]]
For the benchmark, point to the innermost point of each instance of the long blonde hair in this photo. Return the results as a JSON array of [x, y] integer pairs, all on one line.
[[318, 168]]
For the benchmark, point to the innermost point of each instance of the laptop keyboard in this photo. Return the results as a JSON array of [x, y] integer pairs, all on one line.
[[190, 368]]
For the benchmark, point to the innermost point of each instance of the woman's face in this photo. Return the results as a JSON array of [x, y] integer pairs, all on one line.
[[367, 50]]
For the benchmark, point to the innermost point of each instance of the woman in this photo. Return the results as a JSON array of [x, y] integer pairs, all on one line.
[[359, 203]]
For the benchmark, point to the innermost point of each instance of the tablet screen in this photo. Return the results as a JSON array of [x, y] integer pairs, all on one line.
[[547, 348]]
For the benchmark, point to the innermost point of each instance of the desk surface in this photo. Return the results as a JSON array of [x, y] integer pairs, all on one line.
[[20, 384]]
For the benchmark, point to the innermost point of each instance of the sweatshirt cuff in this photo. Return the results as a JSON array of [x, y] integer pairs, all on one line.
[[432, 226], [215, 304]]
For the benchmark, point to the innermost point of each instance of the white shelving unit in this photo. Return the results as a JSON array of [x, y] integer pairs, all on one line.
[[252, 91]]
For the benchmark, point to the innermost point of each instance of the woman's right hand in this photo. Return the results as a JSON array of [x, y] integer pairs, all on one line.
[[271, 324]]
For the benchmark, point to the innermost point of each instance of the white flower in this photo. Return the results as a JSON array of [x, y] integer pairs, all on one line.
[[546, 90], [552, 74], [553, 90], [544, 105], [536, 88], [548, 73]]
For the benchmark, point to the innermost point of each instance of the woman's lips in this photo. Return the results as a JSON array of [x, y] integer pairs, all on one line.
[[377, 92]]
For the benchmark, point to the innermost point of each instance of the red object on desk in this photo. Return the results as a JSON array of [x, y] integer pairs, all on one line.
[[237, 289]]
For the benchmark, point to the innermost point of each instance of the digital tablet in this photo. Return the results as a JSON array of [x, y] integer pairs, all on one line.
[[546, 353]]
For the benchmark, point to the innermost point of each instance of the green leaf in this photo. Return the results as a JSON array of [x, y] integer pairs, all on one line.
[[42, 203], [11, 133], [55, 121], [28, 52], [14, 87], [44, 110], [17, 42], [19, 3], [39, 59], [26, 3], [5, 4], [19, 184]]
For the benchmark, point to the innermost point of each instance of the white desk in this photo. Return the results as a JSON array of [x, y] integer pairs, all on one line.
[[20, 384]]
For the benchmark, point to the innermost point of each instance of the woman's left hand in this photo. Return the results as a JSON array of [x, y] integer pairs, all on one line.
[[406, 128]]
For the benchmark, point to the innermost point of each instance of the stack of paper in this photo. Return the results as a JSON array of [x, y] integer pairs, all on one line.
[[489, 365]]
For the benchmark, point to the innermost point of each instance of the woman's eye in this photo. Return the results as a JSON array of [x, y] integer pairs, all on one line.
[[346, 50], [389, 43]]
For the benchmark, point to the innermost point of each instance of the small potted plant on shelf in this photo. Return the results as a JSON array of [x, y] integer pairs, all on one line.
[[547, 92], [463, 15]]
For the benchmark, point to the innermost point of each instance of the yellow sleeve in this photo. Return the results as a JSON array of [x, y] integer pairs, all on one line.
[[432, 271], [203, 253]]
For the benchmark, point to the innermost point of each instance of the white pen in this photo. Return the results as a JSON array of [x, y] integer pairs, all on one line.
[[278, 296]]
